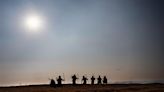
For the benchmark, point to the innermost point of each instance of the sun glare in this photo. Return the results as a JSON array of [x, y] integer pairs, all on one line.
[[33, 23]]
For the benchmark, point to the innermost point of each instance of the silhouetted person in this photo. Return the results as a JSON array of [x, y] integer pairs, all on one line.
[[105, 81], [99, 80], [84, 79], [52, 83], [74, 78], [59, 80], [92, 80]]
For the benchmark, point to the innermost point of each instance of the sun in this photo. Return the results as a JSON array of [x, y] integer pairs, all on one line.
[[33, 23]]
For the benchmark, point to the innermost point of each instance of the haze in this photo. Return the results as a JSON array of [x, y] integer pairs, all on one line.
[[122, 39]]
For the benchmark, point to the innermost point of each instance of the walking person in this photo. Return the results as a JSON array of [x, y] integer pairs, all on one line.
[[59, 81], [92, 80], [84, 79], [105, 81], [74, 78], [99, 80]]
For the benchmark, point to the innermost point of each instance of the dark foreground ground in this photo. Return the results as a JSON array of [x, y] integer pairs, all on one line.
[[88, 88]]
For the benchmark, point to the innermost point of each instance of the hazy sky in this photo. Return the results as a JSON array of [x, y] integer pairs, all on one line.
[[123, 39]]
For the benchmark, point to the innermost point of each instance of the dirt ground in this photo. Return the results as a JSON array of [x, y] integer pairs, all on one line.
[[88, 88]]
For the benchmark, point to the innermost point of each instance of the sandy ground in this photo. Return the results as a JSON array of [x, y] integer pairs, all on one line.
[[88, 88]]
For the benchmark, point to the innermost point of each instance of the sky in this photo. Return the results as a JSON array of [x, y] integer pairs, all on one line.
[[122, 39]]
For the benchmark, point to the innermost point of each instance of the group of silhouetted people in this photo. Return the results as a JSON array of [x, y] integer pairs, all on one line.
[[99, 80], [59, 82], [83, 80]]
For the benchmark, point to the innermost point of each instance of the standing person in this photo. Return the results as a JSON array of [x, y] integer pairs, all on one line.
[[74, 78], [59, 80], [99, 80], [84, 79], [105, 81], [92, 80]]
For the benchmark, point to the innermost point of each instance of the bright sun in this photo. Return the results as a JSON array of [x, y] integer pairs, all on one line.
[[33, 23]]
